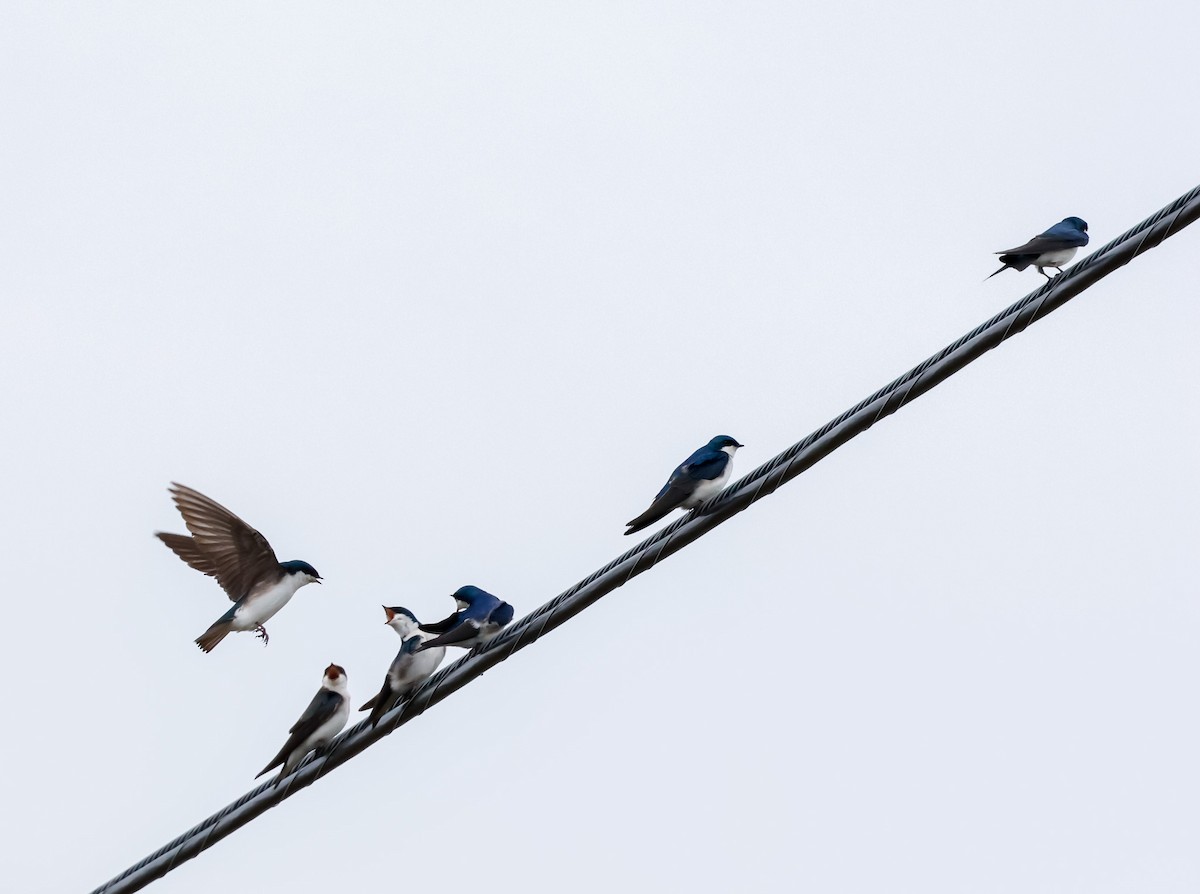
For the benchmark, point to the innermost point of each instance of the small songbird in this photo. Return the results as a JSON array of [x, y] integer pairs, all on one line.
[[409, 669], [323, 719], [480, 616], [225, 547], [700, 476], [1052, 248]]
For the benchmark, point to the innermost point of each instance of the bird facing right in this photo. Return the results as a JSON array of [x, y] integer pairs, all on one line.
[[323, 719], [225, 547], [1052, 248], [700, 476], [480, 617]]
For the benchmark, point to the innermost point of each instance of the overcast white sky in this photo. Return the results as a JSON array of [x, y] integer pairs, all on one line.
[[439, 294]]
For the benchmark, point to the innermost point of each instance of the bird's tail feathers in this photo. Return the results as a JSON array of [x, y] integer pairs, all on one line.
[[381, 707], [379, 704], [393, 699], [645, 520], [213, 635], [271, 766], [990, 275]]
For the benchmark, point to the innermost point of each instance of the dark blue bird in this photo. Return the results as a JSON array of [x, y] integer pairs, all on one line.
[[700, 476], [1052, 248], [480, 616]]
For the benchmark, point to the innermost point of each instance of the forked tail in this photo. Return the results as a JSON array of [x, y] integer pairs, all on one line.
[[213, 635]]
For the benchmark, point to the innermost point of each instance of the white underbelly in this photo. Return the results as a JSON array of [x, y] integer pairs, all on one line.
[[422, 666], [261, 607], [1055, 258], [323, 736], [706, 489], [488, 631]]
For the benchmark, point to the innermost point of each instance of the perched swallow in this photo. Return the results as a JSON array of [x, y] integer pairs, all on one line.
[[699, 477], [225, 547], [323, 719], [1052, 248], [409, 669], [480, 616]]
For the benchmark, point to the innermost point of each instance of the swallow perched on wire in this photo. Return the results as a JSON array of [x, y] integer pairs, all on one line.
[[480, 616], [323, 719], [1052, 248], [700, 476], [223, 546], [409, 668]]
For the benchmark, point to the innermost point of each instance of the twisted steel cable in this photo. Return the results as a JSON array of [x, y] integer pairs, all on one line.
[[757, 484]]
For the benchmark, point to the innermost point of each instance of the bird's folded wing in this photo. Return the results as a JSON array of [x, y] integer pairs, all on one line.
[[440, 626], [323, 706], [465, 631], [502, 615], [708, 466], [670, 497], [1047, 242]]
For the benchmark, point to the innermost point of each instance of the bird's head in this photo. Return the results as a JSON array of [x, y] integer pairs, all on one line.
[[335, 677], [726, 443], [468, 596], [1077, 222], [308, 574], [400, 619]]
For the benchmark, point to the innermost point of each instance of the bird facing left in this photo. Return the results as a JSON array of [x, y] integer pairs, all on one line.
[[409, 669], [223, 546]]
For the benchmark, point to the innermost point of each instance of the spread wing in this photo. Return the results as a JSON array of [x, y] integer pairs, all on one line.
[[185, 547], [222, 545]]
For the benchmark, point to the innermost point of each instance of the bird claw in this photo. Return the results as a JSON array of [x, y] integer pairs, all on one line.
[[261, 632]]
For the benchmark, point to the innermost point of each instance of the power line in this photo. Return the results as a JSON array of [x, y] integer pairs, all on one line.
[[753, 487]]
